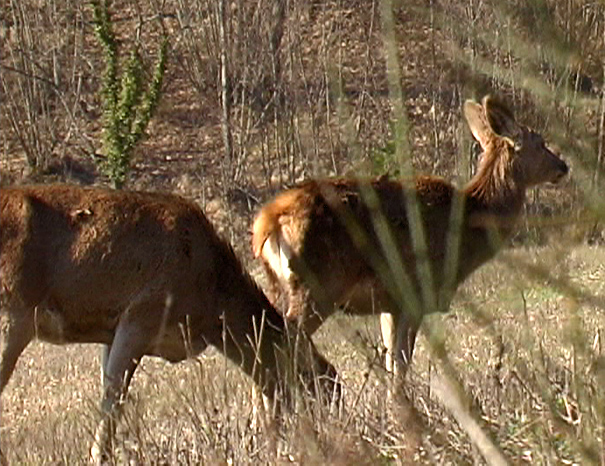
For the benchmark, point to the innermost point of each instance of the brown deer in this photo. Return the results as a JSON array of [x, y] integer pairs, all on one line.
[[144, 274], [400, 248]]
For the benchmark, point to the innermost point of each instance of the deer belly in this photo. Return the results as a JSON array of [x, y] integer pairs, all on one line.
[[57, 325]]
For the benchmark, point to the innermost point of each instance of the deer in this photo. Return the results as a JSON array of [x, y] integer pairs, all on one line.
[[400, 248], [146, 275]]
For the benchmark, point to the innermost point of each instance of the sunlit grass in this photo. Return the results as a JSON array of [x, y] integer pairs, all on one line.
[[521, 373]]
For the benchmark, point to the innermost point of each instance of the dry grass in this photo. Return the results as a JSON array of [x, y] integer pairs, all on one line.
[[528, 376], [525, 335]]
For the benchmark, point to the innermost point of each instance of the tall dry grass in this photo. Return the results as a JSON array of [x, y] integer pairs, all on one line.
[[319, 88]]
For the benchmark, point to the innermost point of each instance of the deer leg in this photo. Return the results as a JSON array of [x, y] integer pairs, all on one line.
[[305, 309], [399, 338], [16, 332], [274, 291], [389, 338], [406, 341], [128, 347], [104, 360]]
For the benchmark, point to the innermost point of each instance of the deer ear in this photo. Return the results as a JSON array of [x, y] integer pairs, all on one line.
[[478, 122], [500, 118]]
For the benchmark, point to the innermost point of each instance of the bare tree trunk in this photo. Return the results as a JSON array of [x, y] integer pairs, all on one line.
[[600, 139], [225, 87], [277, 33]]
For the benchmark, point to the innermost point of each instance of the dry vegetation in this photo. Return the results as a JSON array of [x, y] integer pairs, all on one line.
[[319, 88]]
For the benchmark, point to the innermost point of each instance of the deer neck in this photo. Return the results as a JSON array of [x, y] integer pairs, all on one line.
[[496, 193], [493, 202]]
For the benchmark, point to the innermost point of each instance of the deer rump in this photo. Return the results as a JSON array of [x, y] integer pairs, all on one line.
[[346, 238]]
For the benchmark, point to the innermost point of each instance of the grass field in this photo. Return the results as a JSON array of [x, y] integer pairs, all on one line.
[[527, 350]]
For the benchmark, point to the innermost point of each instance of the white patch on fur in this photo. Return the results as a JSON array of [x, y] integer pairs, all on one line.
[[278, 253]]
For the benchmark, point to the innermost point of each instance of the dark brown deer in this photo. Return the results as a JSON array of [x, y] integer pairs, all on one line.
[[145, 274], [400, 248]]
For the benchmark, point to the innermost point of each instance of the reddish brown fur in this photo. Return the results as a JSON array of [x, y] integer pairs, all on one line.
[[144, 273], [323, 244]]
